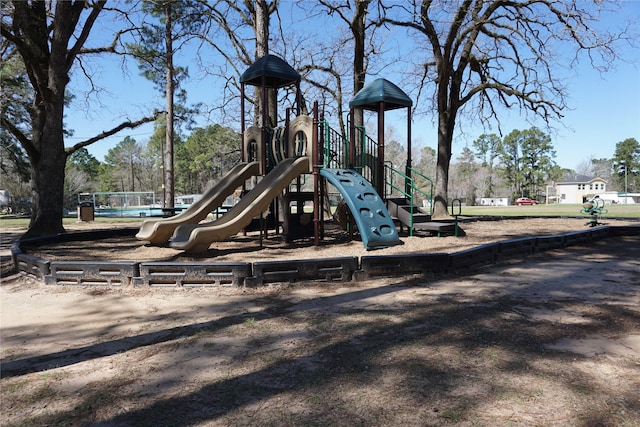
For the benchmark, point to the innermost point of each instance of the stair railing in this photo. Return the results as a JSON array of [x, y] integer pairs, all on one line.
[[456, 203], [390, 186], [428, 196], [406, 183]]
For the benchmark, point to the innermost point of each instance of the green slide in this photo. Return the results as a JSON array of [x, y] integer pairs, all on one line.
[[374, 222]]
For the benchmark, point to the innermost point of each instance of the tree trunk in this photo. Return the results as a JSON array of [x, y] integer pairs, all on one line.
[[445, 140], [359, 72], [262, 49], [170, 89], [41, 32], [47, 180], [46, 151]]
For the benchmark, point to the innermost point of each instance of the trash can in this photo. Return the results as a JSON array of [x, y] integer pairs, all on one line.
[[85, 211]]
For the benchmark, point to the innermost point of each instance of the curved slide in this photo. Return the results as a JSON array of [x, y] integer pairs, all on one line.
[[158, 231], [374, 222], [198, 237]]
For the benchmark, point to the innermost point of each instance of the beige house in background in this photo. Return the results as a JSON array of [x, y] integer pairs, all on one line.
[[579, 188]]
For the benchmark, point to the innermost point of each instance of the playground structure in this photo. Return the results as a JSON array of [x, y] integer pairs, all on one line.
[[595, 208], [284, 160], [280, 157]]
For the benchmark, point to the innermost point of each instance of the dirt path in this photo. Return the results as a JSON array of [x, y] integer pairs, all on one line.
[[551, 340]]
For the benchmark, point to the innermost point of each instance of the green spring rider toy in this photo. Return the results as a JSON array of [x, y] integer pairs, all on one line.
[[595, 208]]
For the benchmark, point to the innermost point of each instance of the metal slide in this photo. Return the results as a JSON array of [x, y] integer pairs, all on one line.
[[158, 231], [198, 237], [372, 218]]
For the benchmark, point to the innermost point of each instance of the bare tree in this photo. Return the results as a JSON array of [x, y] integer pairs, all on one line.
[[50, 37], [356, 20], [601, 168], [326, 66], [230, 24], [487, 54]]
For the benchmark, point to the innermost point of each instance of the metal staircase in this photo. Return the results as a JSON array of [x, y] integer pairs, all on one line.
[[403, 190], [407, 214]]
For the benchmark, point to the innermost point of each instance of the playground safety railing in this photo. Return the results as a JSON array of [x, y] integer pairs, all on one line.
[[366, 153], [335, 150]]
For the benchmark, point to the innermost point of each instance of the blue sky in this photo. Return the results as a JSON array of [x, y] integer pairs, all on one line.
[[605, 109]]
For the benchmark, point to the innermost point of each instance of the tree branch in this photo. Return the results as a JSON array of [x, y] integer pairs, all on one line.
[[108, 133], [96, 8], [18, 134]]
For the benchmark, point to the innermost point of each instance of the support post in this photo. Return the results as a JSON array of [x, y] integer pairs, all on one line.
[[379, 181], [316, 176]]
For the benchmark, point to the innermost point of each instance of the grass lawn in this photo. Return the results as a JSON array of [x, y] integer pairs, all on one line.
[[24, 222], [614, 211]]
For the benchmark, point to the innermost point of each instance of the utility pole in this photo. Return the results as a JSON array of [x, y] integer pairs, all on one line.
[[625, 183]]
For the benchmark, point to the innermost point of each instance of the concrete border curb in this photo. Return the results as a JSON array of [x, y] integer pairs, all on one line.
[[190, 274], [326, 269], [388, 266], [91, 273], [344, 269], [483, 254]]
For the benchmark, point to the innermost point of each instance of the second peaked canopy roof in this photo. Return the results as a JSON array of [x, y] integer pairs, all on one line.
[[380, 90]]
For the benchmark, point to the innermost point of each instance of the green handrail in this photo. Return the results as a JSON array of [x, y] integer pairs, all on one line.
[[402, 190], [456, 203], [430, 195]]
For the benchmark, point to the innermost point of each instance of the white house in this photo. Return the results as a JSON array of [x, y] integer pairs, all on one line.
[[579, 188]]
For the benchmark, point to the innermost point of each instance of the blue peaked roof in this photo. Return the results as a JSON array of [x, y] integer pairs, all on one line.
[[379, 90], [275, 70]]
